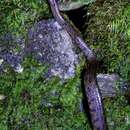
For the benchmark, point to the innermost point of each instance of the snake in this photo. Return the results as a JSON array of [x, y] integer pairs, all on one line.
[[92, 91]]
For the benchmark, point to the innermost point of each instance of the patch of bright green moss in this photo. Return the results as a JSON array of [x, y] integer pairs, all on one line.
[[34, 103]]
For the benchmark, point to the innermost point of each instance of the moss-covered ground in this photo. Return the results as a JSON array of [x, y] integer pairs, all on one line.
[[33, 103]]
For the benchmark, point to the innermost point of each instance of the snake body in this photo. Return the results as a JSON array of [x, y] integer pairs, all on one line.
[[94, 99], [90, 83]]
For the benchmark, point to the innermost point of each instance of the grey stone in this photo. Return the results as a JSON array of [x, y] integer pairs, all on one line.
[[51, 44], [66, 5], [108, 84]]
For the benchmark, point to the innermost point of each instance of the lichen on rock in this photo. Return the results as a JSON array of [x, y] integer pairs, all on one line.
[[52, 45]]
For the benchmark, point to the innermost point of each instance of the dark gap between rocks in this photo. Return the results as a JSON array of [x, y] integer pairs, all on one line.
[[78, 17]]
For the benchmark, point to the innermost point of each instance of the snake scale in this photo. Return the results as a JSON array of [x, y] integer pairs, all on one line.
[[90, 81]]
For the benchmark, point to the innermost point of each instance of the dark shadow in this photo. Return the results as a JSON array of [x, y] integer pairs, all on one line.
[[125, 87], [78, 17]]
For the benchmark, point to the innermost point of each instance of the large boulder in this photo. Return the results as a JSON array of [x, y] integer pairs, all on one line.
[[52, 45]]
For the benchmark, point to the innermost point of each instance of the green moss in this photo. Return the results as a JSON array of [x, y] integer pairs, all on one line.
[[108, 35], [34, 103], [18, 15], [117, 113]]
